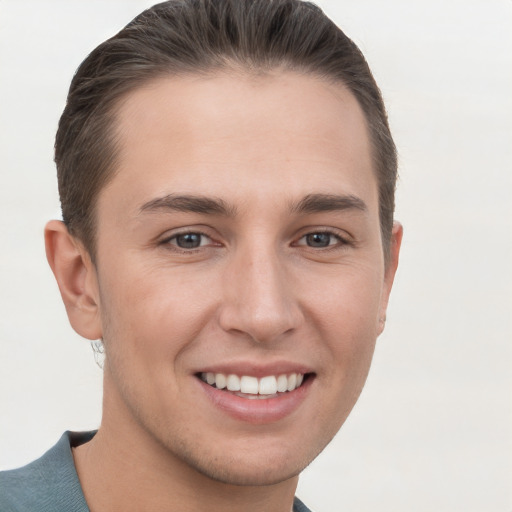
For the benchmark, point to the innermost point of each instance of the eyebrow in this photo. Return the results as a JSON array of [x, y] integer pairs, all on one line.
[[189, 203], [312, 203], [317, 203]]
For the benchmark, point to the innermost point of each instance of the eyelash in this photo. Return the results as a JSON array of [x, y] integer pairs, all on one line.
[[340, 241], [176, 247]]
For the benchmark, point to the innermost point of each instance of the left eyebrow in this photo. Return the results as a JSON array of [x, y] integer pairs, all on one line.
[[317, 203], [189, 203]]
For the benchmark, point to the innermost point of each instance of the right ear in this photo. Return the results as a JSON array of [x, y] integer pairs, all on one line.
[[77, 279]]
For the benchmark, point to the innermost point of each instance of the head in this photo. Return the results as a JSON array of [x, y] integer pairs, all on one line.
[[227, 175], [200, 37]]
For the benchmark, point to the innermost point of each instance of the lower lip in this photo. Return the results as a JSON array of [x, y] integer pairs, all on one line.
[[261, 410]]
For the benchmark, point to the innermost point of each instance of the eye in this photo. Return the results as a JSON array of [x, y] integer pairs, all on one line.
[[189, 240], [320, 240]]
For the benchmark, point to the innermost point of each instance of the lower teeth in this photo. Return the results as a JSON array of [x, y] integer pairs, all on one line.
[[253, 397]]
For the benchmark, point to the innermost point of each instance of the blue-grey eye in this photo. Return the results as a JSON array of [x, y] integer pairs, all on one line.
[[318, 239], [189, 240]]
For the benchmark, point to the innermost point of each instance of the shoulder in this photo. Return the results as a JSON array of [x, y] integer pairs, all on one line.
[[50, 483], [298, 506]]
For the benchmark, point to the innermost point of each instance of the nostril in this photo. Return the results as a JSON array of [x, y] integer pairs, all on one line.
[[261, 305]]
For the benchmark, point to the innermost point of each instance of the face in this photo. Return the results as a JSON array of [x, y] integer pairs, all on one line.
[[240, 275]]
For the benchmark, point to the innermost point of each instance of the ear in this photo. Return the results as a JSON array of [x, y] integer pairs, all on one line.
[[390, 271], [77, 279]]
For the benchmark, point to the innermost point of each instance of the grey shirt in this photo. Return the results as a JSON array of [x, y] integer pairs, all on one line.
[[50, 483]]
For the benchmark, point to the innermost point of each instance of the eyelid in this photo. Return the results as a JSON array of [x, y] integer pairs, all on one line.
[[343, 239], [337, 233], [167, 240]]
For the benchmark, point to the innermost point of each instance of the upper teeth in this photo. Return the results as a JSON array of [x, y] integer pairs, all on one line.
[[269, 385]]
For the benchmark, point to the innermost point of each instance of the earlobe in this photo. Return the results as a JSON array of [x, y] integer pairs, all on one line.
[[390, 271], [76, 277]]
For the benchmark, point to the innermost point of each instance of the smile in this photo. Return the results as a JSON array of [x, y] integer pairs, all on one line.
[[259, 398], [247, 386]]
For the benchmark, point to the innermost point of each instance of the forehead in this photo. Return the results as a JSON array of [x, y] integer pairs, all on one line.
[[201, 133]]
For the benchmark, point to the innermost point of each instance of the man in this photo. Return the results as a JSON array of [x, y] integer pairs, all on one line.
[[226, 175]]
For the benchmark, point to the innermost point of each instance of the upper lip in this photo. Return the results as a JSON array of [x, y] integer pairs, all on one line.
[[256, 369]]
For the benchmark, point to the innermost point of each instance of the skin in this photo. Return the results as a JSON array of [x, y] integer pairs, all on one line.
[[257, 294]]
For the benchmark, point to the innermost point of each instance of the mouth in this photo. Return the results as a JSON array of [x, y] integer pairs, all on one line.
[[257, 396], [254, 388]]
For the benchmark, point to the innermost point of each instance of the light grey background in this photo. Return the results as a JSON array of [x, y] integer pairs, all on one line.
[[433, 428]]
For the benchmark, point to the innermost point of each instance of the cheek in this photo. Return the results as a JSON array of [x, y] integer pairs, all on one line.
[[349, 301], [347, 317], [152, 315]]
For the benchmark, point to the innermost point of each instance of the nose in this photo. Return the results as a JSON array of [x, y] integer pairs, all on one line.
[[259, 299]]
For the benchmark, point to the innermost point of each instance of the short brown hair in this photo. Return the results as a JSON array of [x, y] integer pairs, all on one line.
[[196, 36]]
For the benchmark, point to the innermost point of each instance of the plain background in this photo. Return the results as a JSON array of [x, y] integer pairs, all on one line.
[[433, 428]]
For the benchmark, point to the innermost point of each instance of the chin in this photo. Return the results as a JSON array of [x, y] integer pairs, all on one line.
[[253, 465], [244, 473]]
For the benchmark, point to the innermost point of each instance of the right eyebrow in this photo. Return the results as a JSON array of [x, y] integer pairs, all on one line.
[[189, 203]]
